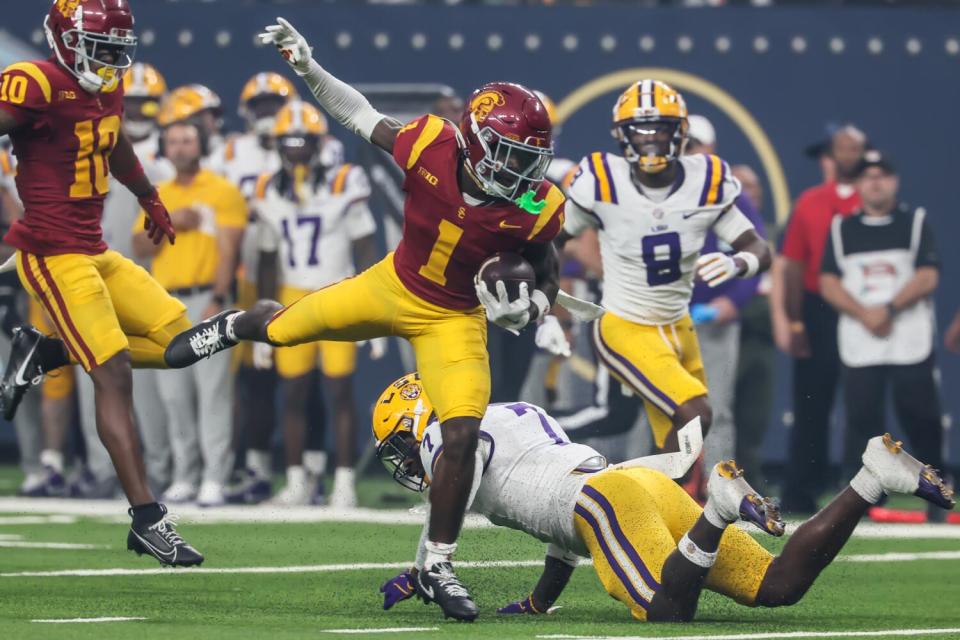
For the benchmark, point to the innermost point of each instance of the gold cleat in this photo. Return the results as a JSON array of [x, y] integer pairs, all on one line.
[[893, 446]]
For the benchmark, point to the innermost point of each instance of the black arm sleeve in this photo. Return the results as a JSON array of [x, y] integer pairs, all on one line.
[[927, 255]]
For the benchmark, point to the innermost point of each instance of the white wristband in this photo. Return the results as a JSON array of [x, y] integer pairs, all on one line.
[[689, 550], [540, 301], [752, 262]]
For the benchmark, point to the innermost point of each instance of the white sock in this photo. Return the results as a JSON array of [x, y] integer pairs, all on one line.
[[53, 459], [343, 477], [714, 517], [296, 476], [867, 486], [315, 462], [259, 462], [438, 552]]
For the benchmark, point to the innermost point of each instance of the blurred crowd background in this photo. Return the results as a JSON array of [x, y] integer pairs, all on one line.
[[795, 95]]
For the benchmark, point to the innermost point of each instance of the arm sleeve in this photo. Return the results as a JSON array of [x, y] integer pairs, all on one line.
[[731, 224], [927, 255], [829, 262], [344, 103], [25, 91]]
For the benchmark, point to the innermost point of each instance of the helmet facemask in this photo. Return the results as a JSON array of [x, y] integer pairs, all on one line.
[[652, 144], [300, 157], [509, 167], [99, 59], [261, 112]]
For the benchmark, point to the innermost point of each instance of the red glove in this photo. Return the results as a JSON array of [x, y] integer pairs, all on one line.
[[157, 223]]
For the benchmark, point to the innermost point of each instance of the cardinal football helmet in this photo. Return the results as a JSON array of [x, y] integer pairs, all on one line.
[[508, 138], [650, 123], [400, 417], [93, 40], [262, 96]]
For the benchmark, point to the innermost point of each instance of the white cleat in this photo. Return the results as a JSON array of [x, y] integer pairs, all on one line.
[[344, 496], [734, 499], [294, 494], [211, 495], [899, 472]]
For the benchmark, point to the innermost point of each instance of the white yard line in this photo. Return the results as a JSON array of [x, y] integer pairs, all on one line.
[[383, 566], [73, 620], [382, 630], [67, 511], [900, 633], [74, 546]]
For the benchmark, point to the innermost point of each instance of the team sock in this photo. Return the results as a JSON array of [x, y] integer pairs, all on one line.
[[438, 552], [315, 462], [714, 517], [689, 550], [53, 459], [53, 354], [866, 484], [147, 514], [259, 462]]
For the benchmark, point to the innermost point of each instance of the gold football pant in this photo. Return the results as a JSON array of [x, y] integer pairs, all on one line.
[[450, 345], [103, 304], [632, 519], [659, 363]]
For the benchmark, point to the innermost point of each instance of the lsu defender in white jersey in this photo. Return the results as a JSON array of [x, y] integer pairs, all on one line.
[[653, 548], [652, 208]]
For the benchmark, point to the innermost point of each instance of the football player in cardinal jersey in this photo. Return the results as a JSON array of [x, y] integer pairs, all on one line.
[[471, 191], [653, 548], [309, 221], [652, 208], [63, 115]]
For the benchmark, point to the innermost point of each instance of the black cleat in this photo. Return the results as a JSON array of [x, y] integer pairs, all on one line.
[[23, 369], [162, 541], [441, 585], [200, 341]]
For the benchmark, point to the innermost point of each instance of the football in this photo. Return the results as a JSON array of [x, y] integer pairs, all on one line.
[[510, 267]]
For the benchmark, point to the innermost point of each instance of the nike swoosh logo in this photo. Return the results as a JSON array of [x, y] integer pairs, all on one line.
[[504, 225], [172, 554], [427, 592], [690, 215], [18, 379]]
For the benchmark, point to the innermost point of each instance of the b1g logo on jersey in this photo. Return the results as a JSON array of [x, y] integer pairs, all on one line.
[[483, 104]]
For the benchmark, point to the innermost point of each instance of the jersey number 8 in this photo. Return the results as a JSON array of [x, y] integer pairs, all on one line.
[[661, 255]]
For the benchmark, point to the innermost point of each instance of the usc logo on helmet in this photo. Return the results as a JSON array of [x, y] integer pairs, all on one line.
[[67, 7], [483, 104]]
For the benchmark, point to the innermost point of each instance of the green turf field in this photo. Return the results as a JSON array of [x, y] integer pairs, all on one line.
[[307, 600]]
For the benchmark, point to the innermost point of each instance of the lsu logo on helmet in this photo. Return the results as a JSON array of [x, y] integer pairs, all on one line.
[[483, 104]]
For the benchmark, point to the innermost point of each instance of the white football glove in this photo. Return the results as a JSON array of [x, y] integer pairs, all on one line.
[[716, 268], [551, 338], [512, 316], [293, 46], [262, 355]]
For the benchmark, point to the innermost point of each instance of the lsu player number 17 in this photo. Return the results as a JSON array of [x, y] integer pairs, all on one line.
[[652, 208], [471, 191], [63, 116]]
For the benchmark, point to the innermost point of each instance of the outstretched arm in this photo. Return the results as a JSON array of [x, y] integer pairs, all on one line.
[[557, 569], [344, 103]]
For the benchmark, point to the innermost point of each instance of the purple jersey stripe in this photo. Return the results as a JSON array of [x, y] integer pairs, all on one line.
[[611, 560], [606, 169], [600, 499], [626, 363], [433, 461], [706, 183], [723, 176], [596, 180]]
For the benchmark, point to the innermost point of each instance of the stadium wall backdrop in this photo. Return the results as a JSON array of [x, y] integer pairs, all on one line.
[[769, 79]]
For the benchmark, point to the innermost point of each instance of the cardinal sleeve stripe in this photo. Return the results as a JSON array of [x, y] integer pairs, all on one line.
[[428, 134], [554, 200], [34, 72]]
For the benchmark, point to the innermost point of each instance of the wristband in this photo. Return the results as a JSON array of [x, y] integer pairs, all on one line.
[[540, 301], [751, 261]]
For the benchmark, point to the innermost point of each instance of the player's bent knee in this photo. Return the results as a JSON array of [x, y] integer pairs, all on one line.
[[114, 375]]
